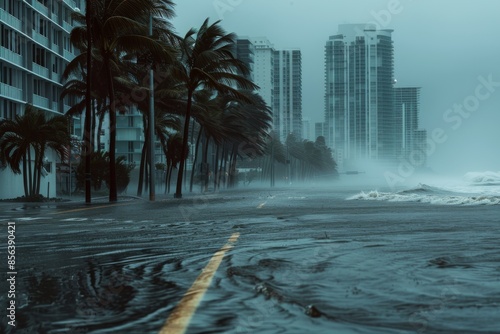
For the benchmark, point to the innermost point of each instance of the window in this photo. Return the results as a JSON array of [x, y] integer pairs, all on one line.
[[55, 94], [55, 66], [7, 75], [10, 40], [43, 2], [9, 110], [38, 88], [43, 27], [55, 36], [67, 44], [39, 56], [13, 7]]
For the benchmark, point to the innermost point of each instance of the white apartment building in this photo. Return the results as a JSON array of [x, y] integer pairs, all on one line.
[[278, 73], [34, 51], [288, 92]]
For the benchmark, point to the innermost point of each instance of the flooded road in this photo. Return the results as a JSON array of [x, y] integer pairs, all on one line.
[[304, 262]]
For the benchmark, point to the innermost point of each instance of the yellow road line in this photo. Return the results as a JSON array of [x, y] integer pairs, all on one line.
[[91, 208], [178, 321], [261, 205]]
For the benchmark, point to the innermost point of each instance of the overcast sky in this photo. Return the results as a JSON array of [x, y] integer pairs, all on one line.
[[443, 46]]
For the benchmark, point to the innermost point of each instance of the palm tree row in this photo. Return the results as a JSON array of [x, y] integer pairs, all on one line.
[[299, 160], [202, 86]]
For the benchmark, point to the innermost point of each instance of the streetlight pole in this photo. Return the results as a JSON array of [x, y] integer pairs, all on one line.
[[87, 143], [152, 170]]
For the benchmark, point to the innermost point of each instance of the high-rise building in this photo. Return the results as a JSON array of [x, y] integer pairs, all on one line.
[[319, 129], [278, 73], [359, 115], [287, 105], [245, 51], [306, 129], [407, 109], [35, 49], [263, 71]]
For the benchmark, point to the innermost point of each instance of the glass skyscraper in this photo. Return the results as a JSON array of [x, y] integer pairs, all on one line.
[[359, 102]]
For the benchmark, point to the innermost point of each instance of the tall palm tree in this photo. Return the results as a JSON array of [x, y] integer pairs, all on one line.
[[119, 28], [32, 134], [207, 62]]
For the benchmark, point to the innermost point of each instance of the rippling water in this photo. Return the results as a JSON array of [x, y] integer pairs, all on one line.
[[306, 262]]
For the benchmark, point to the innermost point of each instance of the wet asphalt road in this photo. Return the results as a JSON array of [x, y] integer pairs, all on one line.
[[123, 267]]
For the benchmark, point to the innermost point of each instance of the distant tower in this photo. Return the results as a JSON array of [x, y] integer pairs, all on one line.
[[359, 117], [278, 73], [287, 105], [306, 129], [245, 51], [409, 138], [263, 70]]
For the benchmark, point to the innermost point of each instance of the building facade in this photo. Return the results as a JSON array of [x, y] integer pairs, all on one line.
[[35, 48], [366, 117], [411, 139], [359, 78], [278, 73], [287, 107]]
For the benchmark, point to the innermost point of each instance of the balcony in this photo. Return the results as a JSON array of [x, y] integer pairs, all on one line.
[[56, 77], [11, 91], [39, 38], [68, 55], [41, 8], [11, 56], [127, 134], [55, 18], [70, 3], [40, 101], [10, 20], [55, 47], [40, 70], [66, 26]]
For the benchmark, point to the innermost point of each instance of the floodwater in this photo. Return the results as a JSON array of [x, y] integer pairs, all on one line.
[[424, 259]]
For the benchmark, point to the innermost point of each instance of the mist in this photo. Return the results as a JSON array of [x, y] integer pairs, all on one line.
[[444, 49]]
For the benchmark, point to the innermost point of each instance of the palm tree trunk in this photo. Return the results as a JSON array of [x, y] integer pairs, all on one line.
[[216, 169], [142, 166], [99, 129], [25, 177], [92, 125], [167, 171], [232, 167], [195, 159], [30, 176], [169, 181], [205, 169], [226, 173], [178, 191], [38, 169], [113, 196]]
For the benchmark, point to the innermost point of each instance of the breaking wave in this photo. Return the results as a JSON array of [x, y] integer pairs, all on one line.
[[482, 178], [476, 188]]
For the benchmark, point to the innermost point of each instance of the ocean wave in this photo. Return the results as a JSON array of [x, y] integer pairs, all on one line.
[[483, 178], [427, 198], [422, 188]]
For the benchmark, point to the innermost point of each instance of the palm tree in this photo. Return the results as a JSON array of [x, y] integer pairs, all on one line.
[[32, 134], [119, 28], [207, 62]]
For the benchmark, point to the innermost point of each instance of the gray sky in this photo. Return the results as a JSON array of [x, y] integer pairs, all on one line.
[[443, 46]]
